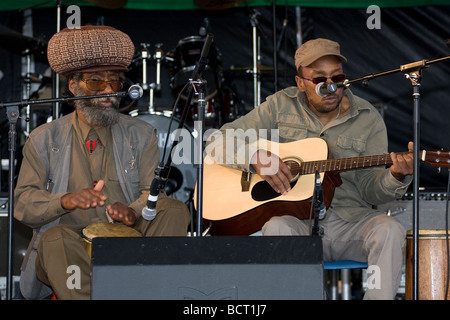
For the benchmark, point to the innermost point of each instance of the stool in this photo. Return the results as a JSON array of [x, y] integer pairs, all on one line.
[[344, 266]]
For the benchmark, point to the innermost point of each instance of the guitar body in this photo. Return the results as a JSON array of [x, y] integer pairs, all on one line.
[[232, 211], [252, 221]]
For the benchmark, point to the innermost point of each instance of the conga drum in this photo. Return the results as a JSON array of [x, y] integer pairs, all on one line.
[[432, 265], [105, 229]]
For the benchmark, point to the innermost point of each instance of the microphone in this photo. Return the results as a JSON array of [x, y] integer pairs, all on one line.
[[135, 92], [324, 89], [204, 28], [319, 196], [205, 50], [199, 66], [149, 211], [283, 31]]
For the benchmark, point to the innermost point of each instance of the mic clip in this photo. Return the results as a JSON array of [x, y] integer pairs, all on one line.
[[318, 203], [158, 184]]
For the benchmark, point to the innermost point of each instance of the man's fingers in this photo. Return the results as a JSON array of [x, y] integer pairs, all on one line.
[[280, 183], [99, 186]]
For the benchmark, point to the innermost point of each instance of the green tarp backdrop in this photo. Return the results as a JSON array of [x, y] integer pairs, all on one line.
[[189, 4]]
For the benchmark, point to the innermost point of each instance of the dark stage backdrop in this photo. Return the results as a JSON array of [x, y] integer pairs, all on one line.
[[406, 35]]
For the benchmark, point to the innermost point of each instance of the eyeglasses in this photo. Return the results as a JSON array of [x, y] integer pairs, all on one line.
[[100, 85], [336, 79]]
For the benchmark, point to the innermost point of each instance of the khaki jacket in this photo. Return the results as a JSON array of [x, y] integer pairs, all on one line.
[[43, 180]]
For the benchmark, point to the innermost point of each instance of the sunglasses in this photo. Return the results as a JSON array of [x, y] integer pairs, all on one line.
[[100, 85], [336, 79]]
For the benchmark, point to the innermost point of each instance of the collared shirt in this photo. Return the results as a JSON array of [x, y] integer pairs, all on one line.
[[359, 132], [87, 168]]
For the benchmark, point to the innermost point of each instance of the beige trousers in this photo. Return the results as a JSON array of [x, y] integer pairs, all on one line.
[[377, 239], [62, 246]]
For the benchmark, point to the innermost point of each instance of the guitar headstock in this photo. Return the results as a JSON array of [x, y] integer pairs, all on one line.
[[436, 158]]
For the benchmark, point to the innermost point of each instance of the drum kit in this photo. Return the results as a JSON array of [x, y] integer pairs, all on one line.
[[179, 63]]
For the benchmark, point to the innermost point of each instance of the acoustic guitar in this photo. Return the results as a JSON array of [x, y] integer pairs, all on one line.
[[239, 203]]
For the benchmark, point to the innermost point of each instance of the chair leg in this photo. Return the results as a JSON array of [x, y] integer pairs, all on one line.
[[334, 285], [346, 287]]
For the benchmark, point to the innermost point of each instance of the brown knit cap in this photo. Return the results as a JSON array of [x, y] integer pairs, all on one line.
[[90, 49]]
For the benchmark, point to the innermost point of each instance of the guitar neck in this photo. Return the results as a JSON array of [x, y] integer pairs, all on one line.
[[343, 164]]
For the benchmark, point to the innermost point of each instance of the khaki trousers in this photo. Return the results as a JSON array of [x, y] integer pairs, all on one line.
[[378, 239], [62, 246]]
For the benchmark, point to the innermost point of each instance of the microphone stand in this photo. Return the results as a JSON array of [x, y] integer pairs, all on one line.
[[256, 60], [197, 85], [56, 76], [199, 126], [13, 116], [317, 205], [412, 71], [62, 99], [315, 230], [12, 111]]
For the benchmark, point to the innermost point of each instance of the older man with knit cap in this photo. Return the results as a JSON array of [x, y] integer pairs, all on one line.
[[351, 127], [92, 167]]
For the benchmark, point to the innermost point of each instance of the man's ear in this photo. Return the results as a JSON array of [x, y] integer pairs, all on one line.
[[300, 84], [73, 85]]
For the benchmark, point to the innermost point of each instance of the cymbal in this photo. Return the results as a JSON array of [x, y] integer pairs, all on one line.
[[20, 44], [217, 4], [108, 4]]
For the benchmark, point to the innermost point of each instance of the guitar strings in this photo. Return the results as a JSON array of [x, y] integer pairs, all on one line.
[[338, 164]]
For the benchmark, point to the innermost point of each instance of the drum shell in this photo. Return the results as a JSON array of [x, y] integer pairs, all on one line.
[[186, 56], [189, 49], [432, 265], [183, 175], [105, 229]]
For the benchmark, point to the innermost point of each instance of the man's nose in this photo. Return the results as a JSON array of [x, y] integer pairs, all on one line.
[[108, 89]]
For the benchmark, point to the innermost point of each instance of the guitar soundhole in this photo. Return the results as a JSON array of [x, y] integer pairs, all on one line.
[[262, 191]]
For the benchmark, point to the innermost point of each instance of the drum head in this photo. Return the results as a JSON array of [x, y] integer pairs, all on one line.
[[105, 229], [189, 49], [183, 175]]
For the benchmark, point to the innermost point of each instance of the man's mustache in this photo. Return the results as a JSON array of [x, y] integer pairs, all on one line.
[[114, 100]]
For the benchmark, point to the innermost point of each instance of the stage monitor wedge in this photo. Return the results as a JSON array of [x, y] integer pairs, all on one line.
[[207, 268]]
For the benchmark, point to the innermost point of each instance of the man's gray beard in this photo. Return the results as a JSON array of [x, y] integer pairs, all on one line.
[[95, 114]]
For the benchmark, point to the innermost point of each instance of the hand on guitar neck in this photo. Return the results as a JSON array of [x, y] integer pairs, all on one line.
[[272, 169], [402, 163]]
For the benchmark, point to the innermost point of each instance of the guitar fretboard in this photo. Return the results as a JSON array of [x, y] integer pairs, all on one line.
[[342, 164]]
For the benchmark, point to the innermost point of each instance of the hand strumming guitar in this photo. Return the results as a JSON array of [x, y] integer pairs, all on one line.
[[272, 169]]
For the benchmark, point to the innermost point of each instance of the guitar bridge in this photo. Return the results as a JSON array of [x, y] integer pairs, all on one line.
[[245, 181]]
